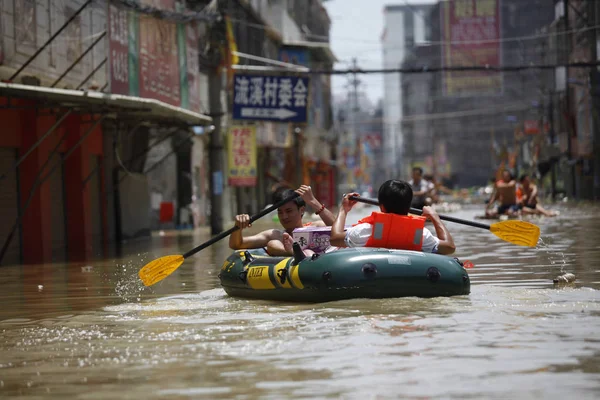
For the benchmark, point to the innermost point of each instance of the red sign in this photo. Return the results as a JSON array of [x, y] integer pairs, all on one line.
[[118, 41], [471, 33], [374, 140], [531, 127], [159, 63]]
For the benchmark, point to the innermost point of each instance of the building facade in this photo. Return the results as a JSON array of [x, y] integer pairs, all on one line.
[[88, 88], [405, 26]]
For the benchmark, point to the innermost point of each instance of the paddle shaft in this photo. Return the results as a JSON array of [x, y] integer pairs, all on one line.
[[419, 212], [228, 232]]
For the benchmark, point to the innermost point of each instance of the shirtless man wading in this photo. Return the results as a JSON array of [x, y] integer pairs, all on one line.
[[506, 194]]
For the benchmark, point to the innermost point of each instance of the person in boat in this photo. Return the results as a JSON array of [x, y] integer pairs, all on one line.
[[527, 195], [290, 217], [420, 188], [506, 194], [392, 227]]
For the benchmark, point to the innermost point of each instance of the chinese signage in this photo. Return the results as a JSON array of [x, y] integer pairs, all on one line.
[[470, 35], [159, 64], [190, 95], [152, 57], [241, 143], [270, 98], [119, 49]]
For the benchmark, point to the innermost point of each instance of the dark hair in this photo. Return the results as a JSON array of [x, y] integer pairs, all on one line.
[[395, 196], [418, 169], [522, 178], [282, 193], [509, 174]]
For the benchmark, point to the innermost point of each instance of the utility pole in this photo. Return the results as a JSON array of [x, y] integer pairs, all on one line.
[[354, 82], [552, 144], [216, 151], [568, 98]]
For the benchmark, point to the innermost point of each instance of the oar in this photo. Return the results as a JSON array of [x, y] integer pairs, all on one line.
[[157, 270], [522, 233]]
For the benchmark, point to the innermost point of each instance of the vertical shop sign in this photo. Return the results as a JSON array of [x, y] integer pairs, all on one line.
[[241, 143], [118, 26]]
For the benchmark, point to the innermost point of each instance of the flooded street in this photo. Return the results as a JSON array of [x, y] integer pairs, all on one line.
[[87, 331]]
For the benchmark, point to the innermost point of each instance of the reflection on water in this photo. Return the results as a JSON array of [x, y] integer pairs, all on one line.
[[94, 331]]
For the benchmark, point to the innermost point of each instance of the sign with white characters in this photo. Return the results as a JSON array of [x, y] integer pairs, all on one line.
[[270, 98]]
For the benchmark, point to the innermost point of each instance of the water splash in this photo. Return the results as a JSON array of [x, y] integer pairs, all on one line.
[[556, 258], [129, 287]]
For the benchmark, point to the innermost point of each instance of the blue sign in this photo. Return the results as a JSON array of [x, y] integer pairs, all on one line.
[[294, 55], [270, 98], [217, 183]]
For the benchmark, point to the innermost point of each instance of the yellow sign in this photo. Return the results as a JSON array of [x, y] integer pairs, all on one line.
[[241, 144], [258, 278]]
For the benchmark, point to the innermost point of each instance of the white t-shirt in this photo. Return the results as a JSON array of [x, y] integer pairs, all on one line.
[[358, 235], [422, 186]]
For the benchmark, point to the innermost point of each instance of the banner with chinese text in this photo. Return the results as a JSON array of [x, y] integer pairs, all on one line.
[[241, 145], [152, 57], [471, 30]]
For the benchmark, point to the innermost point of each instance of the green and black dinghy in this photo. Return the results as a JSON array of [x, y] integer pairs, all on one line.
[[342, 274]]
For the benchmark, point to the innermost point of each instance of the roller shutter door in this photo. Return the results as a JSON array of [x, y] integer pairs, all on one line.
[[57, 206], [93, 186], [9, 206]]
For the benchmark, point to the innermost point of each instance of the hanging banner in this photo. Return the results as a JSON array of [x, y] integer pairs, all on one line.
[[118, 42], [159, 60], [241, 145], [470, 35], [192, 67]]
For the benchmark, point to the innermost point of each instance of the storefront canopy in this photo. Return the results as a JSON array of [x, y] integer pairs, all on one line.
[[114, 105]]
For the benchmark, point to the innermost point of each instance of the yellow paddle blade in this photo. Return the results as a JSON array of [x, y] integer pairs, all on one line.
[[518, 232], [157, 270]]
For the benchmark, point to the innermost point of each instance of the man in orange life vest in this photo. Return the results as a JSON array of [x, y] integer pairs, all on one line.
[[290, 217], [392, 228]]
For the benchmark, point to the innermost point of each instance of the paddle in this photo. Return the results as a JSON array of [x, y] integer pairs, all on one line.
[[157, 270], [522, 233]]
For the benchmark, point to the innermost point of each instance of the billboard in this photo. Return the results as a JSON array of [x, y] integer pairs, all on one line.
[[471, 30], [159, 62], [241, 145], [153, 57], [192, 86]]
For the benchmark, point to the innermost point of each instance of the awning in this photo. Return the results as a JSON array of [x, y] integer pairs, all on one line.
[[322, 49], [116, 105]]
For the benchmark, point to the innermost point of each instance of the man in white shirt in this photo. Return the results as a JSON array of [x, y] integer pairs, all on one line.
[[394, 197], [420, 188]]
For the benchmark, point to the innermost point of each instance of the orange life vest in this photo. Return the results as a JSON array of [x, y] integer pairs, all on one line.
[[393, 231]]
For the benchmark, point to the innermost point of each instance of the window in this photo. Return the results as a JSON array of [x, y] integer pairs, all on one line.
[[409, 27]]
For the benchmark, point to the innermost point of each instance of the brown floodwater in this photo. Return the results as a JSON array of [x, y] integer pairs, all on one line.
[[92, 331]]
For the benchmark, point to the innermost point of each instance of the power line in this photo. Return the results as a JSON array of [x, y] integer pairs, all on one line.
[[436, 43], [426, 69]]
